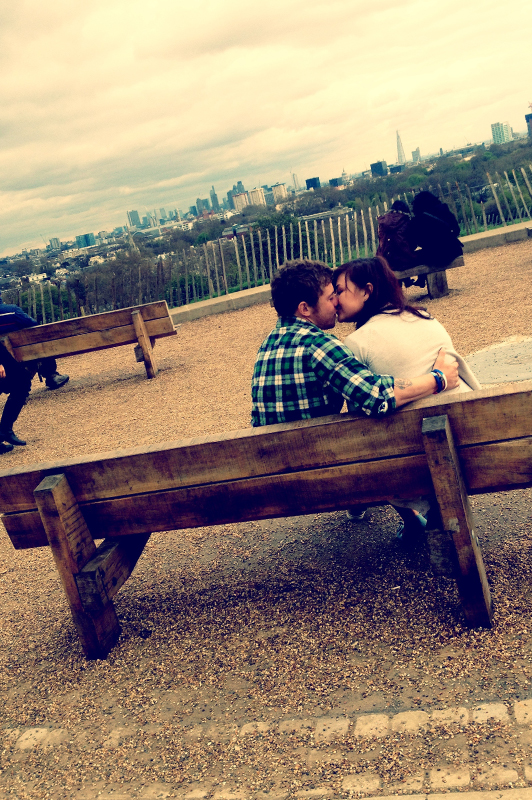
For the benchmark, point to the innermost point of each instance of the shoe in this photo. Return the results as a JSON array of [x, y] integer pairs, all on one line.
[[11, 438], [356, 514], [56, 380], [5, 448], [410, 532]]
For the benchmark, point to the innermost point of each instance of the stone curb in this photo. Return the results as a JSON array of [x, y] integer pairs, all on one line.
[[435, 783]]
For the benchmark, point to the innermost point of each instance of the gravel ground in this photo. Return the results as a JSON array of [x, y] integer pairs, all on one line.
[[298, 618]]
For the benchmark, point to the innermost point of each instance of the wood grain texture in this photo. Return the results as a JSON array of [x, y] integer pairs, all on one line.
[[72, 546], [437, 285], [144, 344], [457, 520], [503, 420]]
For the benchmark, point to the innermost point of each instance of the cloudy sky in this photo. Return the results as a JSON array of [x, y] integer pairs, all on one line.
[[110, 105]]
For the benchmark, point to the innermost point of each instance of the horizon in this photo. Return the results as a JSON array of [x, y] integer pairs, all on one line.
[[107, 110]]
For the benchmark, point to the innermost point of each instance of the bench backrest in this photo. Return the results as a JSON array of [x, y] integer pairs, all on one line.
[[281, 470], [94, 332]]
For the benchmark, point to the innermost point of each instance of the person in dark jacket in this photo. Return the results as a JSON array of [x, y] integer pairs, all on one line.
[[46, 367], [15, 381], [394, 244], [434, 230]]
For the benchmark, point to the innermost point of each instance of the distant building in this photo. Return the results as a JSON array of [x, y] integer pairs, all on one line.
[[133, 219], [55, 243], [193, 210], [214, 200], [397, 168], [416, 155], [239, 188], [240, 201], [501, 132], [85, 240], [400, 152], [312, 183], [379, 169], [279, 192], [336, 182], [295, 181], [528, 120], [256, 196]]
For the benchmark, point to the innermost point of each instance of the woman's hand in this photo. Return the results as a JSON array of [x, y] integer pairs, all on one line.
[[449, 366], [2, 371]]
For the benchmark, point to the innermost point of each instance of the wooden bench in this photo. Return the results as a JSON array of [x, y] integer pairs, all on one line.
[[138, 325], [443, 448], [436, 276]]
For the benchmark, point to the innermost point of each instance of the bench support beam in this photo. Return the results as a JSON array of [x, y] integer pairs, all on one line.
[[437, 285], [145, 344], [72, 547], [457, 519]]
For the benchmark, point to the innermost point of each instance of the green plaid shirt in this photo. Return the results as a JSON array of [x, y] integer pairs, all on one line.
[[303, 372]]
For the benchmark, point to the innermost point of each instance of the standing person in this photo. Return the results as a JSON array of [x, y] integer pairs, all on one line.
[[301, 372], [394, 244], [46, 367], [15, 381], [394, 337], [434, 230]]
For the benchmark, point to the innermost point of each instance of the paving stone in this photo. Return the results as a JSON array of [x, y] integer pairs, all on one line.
[[34, 737], [410, 721], [254, 727], [372, 725], [363, 783], [311, 793], [444, 778], [497, 775], [450, 716], [197, 794], [523, 712], [157, 791], [296, 725], [117, 735], [486, 711], [231, 794], [328, 728], [528, 772], [524, 793], [414, 783], [325, 757]]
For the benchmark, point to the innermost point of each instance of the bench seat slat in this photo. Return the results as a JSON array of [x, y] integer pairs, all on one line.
[[275, 449], [87, 342], [91, 323], [425, 270], [488, 467]]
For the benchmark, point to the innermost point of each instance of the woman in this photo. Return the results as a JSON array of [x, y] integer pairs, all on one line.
[[392, 338], [435, 230]]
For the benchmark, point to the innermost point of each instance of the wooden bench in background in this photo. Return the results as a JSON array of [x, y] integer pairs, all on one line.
[[138, 325], [436, 276], [442, 447]]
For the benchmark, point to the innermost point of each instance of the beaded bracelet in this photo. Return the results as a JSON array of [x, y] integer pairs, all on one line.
[[441, 380]]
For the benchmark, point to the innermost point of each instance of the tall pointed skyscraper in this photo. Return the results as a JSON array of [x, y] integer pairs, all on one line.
[[400, 152]]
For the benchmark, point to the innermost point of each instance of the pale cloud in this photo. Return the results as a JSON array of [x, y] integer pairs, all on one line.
[[114, 105]]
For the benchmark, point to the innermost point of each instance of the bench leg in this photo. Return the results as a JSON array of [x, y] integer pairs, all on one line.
[[72, 547], [145, 344], [437, 284], [457, 519], [103, 576]]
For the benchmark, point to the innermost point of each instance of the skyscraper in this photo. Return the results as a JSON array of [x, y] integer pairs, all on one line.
[[400, 152], [416, 155], [501, 132], [312, 183], [295, 180], [133, 219], [214, 200], [256, 196]]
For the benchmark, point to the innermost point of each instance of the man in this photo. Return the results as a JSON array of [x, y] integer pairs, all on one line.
[[15, 381], [46, 367], [302, 372]]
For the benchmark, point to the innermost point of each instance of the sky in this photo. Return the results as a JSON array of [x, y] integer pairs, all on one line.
[[114, 105]]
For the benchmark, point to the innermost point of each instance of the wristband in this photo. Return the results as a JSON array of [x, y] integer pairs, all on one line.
[[441, 380]]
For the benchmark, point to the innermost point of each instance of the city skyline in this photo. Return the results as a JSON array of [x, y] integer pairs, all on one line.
[[107, 108]]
